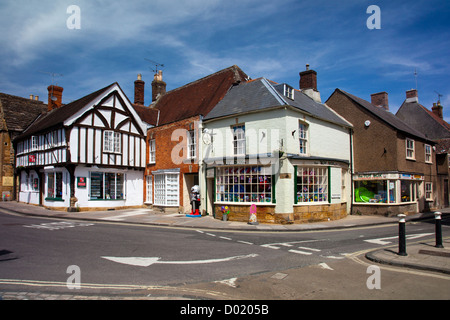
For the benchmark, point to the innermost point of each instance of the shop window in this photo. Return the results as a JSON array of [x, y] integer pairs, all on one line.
[[312, 184], [408, 191], [375, 191], [54, 185], [166, 189], [244, 184], [106, 186]]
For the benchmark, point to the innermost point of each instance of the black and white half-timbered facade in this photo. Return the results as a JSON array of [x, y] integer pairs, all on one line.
[[87, 154]]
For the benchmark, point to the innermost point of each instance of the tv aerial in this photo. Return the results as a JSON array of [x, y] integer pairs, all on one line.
[[52, 74], [439, 96], [156, 64]]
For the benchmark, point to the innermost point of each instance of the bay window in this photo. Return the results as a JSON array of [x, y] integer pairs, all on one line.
[[244, 184], [166, 189], [312, 184]]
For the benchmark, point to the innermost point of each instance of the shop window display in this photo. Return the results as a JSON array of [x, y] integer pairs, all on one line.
[[312, 184], [375, 191], [244, 184]]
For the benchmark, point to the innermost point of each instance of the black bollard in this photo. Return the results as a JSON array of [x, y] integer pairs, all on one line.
[[401, 235], [437, 219]]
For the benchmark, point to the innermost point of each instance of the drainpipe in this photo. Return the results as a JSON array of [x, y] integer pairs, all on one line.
[[203, 196], [351, 170]]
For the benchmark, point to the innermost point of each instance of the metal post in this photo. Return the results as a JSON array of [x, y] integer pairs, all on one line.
[[437, 219], [401, 235]]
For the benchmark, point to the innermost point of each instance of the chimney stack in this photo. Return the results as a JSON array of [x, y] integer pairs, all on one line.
[[139, 87], [380, 99], [437, 110], [308, 84], [54, 97], [412, 96], [158, 86]]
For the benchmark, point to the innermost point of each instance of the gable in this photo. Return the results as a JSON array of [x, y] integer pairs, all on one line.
[[110, 111]]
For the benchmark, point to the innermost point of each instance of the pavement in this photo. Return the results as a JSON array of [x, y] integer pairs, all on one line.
[[420, 255]]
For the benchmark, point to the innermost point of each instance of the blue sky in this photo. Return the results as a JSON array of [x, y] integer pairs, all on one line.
[[194, 38]]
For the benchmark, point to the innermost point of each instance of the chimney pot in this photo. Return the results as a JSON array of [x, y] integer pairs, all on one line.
[[158, 86], [437, 110], [139, 88], [36, 98], [381, 100], [31, 97]]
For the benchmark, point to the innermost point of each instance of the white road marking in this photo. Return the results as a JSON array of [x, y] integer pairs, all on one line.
[[333, 257], [245, 242], [382, 241], [58, 225], [300, 252], [229, 282], [312, 249], [145, 262], [325, 266], [126, 215], [225, 238]]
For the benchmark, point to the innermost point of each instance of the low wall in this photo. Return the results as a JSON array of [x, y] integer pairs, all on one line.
[[301, 214]]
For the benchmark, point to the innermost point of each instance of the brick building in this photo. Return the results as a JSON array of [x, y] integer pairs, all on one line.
[[432, 125], [172, 141], [394, 165], [16, 113]]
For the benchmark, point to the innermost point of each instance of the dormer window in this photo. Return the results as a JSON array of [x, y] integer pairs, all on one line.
[[288, 92]]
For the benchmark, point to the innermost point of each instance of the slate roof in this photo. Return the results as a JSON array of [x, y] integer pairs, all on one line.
[[198, 97], [261, 94], [424, 120], [386, 116], [56, 117], [19, 112]]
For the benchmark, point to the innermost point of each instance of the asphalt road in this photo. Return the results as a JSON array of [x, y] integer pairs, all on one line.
[[50, 255]]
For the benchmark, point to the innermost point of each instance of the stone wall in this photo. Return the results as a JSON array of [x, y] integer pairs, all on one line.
[[301, 214]]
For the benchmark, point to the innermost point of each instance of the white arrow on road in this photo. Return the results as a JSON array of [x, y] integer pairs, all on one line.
[[145, 262], [382, 241]]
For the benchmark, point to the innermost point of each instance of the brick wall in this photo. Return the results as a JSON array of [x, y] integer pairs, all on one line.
[[164, 148]]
